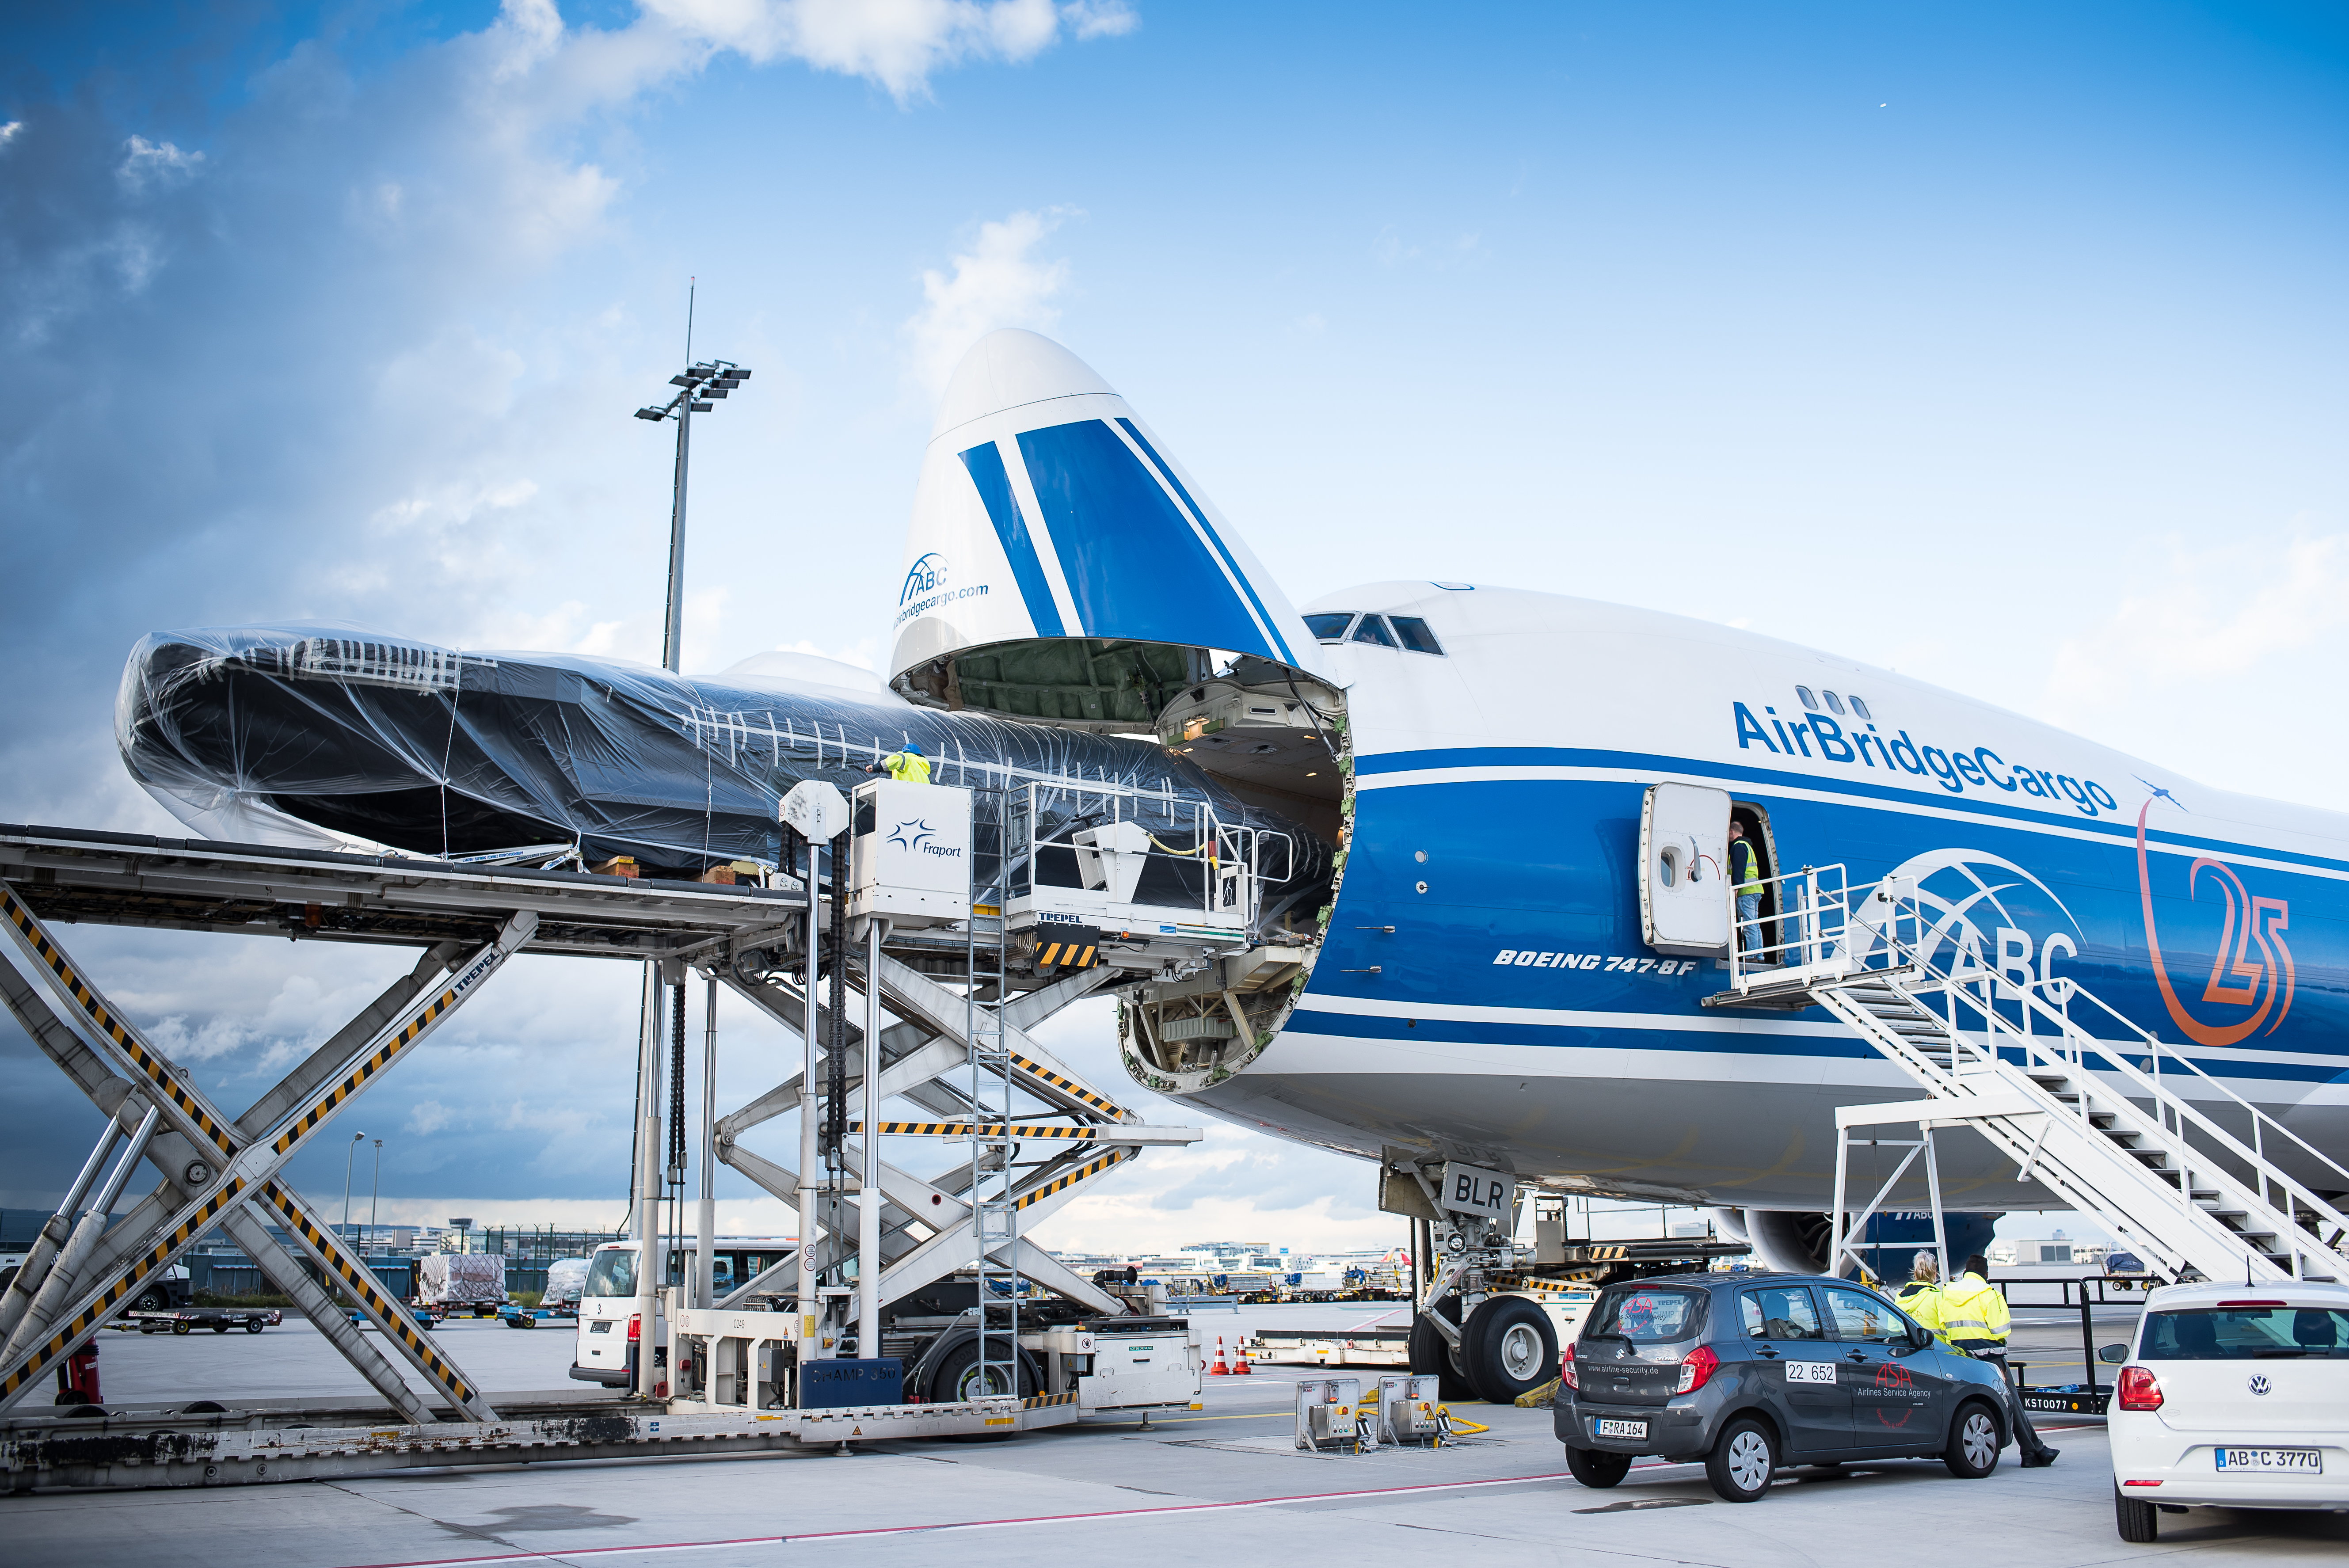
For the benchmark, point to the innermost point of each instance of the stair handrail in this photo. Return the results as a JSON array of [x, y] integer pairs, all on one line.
[[1959, 980]]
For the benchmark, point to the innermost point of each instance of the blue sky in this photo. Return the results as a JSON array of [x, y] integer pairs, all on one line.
[[2001, 345]]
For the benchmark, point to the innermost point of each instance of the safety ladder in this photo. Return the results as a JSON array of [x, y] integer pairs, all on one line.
[[2117, 1124], [993, 1182]]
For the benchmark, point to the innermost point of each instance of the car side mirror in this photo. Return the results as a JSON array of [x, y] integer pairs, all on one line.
[[2114, 1354]]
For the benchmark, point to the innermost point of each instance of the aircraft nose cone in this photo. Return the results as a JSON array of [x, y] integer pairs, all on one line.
[[1008, 368]]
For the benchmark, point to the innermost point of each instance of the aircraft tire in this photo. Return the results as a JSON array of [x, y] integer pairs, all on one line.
[[1508, 1348], [1430, 1356]]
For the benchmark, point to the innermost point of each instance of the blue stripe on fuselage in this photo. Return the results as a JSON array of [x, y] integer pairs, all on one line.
[[1551, 865], [984, 464]]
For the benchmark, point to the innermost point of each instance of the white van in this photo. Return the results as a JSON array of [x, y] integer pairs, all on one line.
[[609, 1333]]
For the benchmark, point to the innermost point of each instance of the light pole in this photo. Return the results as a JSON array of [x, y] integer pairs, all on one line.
[[377, 1192], [701, 384], [349, 1151]]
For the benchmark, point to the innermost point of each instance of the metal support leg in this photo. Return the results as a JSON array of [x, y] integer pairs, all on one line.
[[242, 1226], [811, 1304], [651, 1264], [57, 1289], [705, 1247], [44, 1248], [869, 1200]]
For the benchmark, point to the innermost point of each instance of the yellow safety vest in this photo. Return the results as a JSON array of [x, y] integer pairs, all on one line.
[[1745, 869], [1973, 1313], [1922, 1302], [907, 768]]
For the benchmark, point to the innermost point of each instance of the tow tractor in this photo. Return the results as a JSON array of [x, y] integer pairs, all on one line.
[[187, 1320]]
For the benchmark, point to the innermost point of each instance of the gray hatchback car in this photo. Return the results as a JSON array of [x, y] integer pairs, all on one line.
[[1749, 1373]]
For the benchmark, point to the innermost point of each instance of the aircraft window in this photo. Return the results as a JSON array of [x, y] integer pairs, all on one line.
[[1329, 627], [1834, 703], [1808, 700], [1415, 635], [1860, 709], [1373, 629]]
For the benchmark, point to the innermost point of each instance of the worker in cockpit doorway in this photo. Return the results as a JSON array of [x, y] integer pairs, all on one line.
[[906, 765], [1746, 881]]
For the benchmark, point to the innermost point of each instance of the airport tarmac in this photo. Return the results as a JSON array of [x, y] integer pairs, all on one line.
[[1223, 1483]]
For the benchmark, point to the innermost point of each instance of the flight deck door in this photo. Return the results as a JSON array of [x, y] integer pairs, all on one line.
[[1684, 906]]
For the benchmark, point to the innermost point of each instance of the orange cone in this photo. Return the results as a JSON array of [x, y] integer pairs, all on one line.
[[1241, 1365], [1220, 1369]]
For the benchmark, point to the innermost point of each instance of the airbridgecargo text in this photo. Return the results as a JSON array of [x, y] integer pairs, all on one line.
[[1817, 737]]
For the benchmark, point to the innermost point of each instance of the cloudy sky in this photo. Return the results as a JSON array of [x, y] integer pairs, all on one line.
[[2000, 344]]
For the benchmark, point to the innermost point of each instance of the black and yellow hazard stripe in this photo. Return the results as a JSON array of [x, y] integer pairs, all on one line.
[[1066, 955], [1067, 1086], [1045, 1401], [102, 1308], [327, 1104], [1033, 1130], [1061, 1183], [150, 1064], [360, 1280]]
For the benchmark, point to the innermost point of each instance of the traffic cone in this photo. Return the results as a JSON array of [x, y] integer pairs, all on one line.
[[1220, 1369], [1241, 1365]]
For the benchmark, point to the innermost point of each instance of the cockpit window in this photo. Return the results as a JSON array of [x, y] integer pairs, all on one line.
[[1373, 629], [1329, 626], [1415, 635]]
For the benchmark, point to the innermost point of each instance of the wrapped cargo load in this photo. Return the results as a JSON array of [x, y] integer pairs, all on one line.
[[460, 1279], [321, 735]]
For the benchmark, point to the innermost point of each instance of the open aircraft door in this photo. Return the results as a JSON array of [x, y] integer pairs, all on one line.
[[1684, 906], [1062, 567]]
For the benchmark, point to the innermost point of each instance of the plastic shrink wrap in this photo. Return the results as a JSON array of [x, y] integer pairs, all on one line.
[[322, 736]]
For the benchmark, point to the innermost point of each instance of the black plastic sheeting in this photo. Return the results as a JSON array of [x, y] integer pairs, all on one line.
[[446, 753]]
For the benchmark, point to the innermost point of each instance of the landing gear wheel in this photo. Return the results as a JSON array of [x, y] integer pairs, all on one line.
[[1597, 1468], [1430, 1356], [1739, 1464], [2138, 1521], [1508, 1348], [1972, 1452]]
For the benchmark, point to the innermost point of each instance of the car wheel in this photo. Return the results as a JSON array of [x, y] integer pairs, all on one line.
[[1430, 1358], [1596, 1467], [1741, 1459], [1508, 1348], [184, 1328], [1972, 1452], [252, 1325], [2138, 1521], [151, 1300]]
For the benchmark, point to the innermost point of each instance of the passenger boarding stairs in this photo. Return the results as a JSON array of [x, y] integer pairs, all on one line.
[[2114, 1122]]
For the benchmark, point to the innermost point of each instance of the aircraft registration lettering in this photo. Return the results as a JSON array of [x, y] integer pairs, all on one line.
[[1533, 958]]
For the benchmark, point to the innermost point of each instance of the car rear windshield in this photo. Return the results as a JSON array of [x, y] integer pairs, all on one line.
[[612, 1274], [2247, 1332], [1648, 1316]]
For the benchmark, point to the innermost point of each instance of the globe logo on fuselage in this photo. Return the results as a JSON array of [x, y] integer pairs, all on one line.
[[923, 577]]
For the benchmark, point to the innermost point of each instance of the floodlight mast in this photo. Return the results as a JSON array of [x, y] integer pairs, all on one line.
[[701, 384]]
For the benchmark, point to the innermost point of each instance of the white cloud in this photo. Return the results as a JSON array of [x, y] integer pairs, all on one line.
[[429, 1117], [148, 164], [8, 132], [898, 43], [1000, 281]]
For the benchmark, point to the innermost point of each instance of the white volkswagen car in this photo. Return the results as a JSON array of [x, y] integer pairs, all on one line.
[[2232, 1396]]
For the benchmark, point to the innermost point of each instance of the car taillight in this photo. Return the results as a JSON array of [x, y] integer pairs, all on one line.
[[2140, 1389], [1695, 1367], [635, 1328], [1566, 1367]]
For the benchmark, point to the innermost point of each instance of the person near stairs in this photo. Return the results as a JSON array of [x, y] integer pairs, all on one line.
[[1921, 1298], [1974, 1319], [1746, 881]]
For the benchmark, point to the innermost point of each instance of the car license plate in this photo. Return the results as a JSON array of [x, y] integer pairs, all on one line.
[[1621, 1428], [2293, 1461]]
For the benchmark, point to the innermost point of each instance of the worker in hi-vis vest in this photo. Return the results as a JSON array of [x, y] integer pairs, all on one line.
[[1974, 1319], [907, 765], [1745, 880]]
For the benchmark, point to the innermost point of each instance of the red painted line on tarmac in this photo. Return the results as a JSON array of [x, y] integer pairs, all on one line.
[[569, 1553]]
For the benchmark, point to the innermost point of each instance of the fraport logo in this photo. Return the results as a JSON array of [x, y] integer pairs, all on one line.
[[915, 839]]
